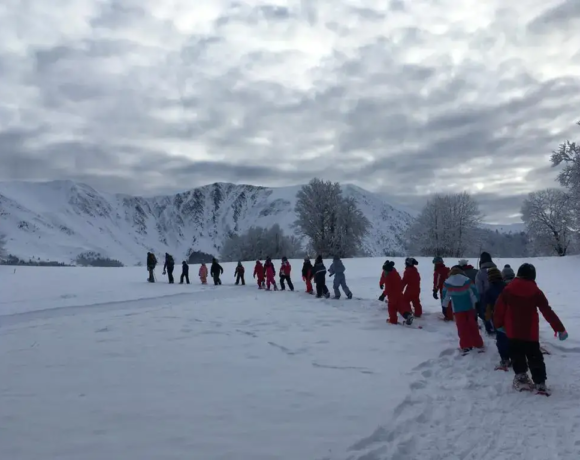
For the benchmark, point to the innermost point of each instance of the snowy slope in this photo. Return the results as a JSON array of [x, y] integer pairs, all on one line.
[[139, 371], [59, 220]]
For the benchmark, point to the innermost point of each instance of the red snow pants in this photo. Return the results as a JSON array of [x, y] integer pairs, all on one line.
[[270, 281], [397, 306], [467, 330], [412, 298], [308, 282], [260, 281]]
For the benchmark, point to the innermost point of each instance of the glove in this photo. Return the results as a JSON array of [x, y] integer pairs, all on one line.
[[382, 286], [562, 335], [331, 275], [382, 297], [435, 294], [164, 272], [254, 276], [303, 278]]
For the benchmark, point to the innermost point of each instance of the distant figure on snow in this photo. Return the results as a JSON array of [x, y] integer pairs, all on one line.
[[508, 273], [216, 271], [203, 273], [285, 270], [307, 275], [412, 286], [184, 272], [319, 270], [482, 284], [270, 274], [259, 275], [337, 270], [151, 264], [168, 267], [239, 274]]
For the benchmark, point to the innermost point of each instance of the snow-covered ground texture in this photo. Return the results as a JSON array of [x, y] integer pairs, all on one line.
[[61, 219], [98, 364]]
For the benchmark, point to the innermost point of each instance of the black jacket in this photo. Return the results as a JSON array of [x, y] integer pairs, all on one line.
[[169, 262], [151, 260], [307, 270], [216, 270], [319, 272], [185, 268]]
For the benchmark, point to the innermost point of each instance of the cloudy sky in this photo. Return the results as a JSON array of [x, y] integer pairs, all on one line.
[[401, 97]]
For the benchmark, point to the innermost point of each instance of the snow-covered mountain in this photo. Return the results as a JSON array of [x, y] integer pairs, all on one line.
[[61, 219]]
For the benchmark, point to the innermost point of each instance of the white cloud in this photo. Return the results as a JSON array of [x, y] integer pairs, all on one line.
[[406, 98]]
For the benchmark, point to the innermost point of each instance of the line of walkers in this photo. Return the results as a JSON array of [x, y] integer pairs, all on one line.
[[264, 274], [507, 305]]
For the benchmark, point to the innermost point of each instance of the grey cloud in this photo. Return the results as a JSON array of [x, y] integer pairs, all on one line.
[[565, 14], [415, 121]]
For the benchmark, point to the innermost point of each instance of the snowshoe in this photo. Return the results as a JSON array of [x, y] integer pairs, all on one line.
[[327, 296], [542, 389], [409, 318], [522, 382], [504, 365], [349, 296], [465, 351], [336, 297]]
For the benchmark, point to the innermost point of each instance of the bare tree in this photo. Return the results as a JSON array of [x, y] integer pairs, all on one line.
[[447, 226], [3, 253], [258, 243], [568, 155], [549, 221], [333, 224]]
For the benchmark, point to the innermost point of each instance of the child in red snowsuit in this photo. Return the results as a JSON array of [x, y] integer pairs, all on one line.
[[440, 275], [259, 274], [412, 286], [516, 312], [393, 290], [203, 273], [307, 275], [270, 274]]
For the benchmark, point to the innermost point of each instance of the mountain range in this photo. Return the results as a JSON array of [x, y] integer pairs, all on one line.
[[60, 220]]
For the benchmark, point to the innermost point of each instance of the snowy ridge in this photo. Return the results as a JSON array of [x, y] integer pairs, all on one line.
[[61, 219]]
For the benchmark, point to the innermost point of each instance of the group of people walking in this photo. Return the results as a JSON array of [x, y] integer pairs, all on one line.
[[506, 303]]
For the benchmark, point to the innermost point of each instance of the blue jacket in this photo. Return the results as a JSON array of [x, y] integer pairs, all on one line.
[[492, 294], [461, 292]]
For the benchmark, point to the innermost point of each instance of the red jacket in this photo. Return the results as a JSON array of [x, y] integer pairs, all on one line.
[[516, 310], [285, 269], [412, 282], [259, 271], [393, 285], [440, 275]]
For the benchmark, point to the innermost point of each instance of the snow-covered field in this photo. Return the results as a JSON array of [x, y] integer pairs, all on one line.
[[97, 364]]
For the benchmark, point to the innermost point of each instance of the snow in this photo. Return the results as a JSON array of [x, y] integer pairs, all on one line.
[[59, 220], [98, 364]]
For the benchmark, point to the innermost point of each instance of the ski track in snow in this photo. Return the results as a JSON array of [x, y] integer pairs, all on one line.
[[234, 372]]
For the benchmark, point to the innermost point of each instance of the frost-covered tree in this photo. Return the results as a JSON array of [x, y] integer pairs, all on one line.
[[3, 253], [549, 220], [448, 226], [259, 243], [568, 155], [332, 223]]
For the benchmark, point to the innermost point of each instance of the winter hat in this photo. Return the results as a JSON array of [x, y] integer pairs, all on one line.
[[410, 261], [527, 272], [485, 257], [437, 260], [318, 259], [507, 273], [336, 258], [493, 274], [463, 262], [389, 266]]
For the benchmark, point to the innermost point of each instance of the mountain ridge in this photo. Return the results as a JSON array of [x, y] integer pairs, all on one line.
[[59, 220]]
